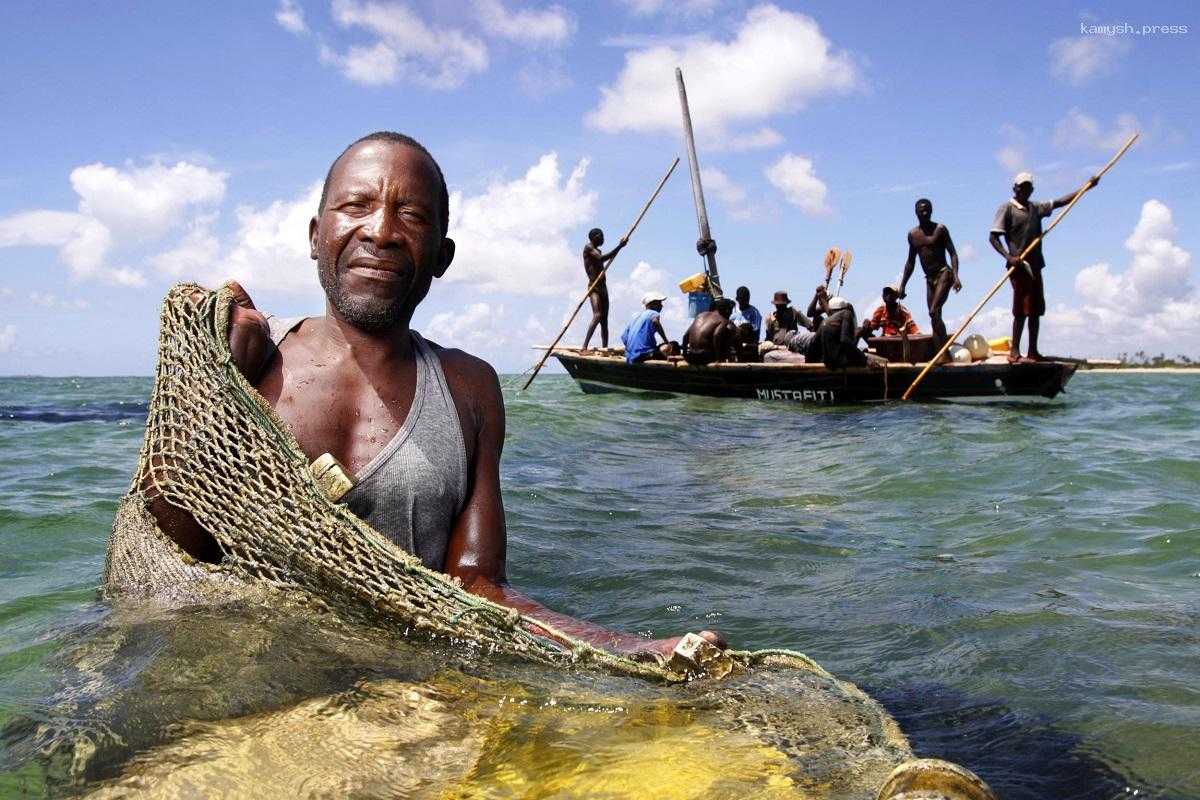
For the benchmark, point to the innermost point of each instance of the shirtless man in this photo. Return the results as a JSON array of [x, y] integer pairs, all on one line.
[[594, 262], [421, 426], [712, 336], [931, 241]]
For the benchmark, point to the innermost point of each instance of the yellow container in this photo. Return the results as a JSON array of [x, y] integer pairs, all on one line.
[[693, 284], [1001, 345]]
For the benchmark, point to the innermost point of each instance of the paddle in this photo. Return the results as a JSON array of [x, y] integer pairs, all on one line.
[[847, 258], [832, 256], [592, 286], [949, 341]]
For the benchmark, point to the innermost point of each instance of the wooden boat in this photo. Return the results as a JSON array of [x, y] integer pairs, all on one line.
[[607, 371]]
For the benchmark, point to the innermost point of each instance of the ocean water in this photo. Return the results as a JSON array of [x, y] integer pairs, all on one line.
[[1017, 582]]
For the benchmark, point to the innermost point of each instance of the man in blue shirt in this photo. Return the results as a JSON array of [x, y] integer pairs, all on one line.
[[747, 314], [638, 336]]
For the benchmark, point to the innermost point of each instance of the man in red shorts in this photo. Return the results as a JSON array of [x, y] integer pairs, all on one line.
[[1019, 221]]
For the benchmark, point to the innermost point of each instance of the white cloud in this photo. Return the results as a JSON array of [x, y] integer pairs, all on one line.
[[646, 8], [117, 207], [1012, 158], [144, 202], [966, 252], [722, 187], [125, 276], [290, 17], [269, 251], [777, 62], [1077, 130], [8, 337], [1012, 155], [54, 302], [406, 47], [82, 241], [514, 236], [626, 295], [754, 140], [1152, 304], [550, 26], [541, 79], [477, 327], [793, 175], [1078, 59]]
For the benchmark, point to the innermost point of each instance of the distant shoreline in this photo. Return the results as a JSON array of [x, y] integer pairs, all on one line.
[[1185, 370]]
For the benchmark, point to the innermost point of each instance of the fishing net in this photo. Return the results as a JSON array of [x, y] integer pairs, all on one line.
[[215, 448]]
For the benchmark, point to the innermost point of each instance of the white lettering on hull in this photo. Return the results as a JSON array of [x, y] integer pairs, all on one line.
[[819, 396]]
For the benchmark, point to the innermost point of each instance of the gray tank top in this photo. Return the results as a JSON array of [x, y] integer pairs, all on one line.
[[414, 489]]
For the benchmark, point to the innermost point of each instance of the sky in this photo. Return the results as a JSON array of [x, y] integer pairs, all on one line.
[[145, 144]]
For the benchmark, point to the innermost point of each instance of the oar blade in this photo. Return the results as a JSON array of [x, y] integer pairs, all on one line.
[[832, 257]]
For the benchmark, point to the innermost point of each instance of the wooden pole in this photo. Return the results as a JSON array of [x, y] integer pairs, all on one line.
[[710, 266], [949, 341], [600, 277]]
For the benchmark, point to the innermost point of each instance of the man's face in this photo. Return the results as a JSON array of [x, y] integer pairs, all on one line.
[[597, 238], [924, 211], [378, 241], [781, 307], [655, 305], [743, 299], [890, 298], [1023, 191]]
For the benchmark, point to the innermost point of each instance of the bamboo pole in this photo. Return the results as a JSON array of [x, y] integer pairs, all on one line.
[[970, 317], [596, 282], [710, 265]]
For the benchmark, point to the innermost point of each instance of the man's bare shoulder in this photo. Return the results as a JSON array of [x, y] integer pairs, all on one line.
[[467, 372]]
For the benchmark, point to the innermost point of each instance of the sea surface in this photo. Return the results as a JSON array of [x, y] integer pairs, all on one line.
[[1017, 582]]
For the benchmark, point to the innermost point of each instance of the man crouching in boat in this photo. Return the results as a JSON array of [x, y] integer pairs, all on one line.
[[836, 341], [421, 426], [639, 335], [712, 336]]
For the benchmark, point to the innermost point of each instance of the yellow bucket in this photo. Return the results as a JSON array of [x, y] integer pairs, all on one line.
[[695, 283], [1001, 345]]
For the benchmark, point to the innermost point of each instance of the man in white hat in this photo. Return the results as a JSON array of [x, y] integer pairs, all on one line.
[[1019, 221], [638, 336]]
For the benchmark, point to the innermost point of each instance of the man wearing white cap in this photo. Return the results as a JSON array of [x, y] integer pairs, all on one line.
[[1019, 221], [638, 336]]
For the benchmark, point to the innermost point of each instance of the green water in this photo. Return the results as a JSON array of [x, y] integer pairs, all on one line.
[[1017, 582]]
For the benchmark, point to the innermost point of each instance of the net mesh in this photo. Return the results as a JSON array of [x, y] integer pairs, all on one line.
[[215, 448]]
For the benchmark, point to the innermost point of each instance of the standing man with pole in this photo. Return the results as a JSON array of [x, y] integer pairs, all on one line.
[[1019, 221], [563, 331], [1020, 264], [595, 263], [705, 246]]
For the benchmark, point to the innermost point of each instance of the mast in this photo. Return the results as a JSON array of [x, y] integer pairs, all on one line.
[[710, 266]]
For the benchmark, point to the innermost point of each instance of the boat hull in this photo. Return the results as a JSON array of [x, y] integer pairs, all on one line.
[[813, 383]]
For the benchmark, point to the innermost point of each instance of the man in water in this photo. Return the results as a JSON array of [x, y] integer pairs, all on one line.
[[638, 336], [594, 264], [892, 317], [931, 242], [1019, 221], [784, 319], [711, 336], [420, 425]]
